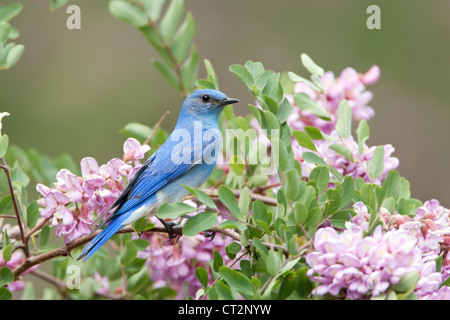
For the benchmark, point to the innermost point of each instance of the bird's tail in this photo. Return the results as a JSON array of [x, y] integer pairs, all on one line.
[[115, 225]]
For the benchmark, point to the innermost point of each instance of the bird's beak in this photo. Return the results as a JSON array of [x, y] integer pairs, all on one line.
[[228, 101]]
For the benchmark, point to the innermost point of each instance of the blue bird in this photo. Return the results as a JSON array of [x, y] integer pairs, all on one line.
[[188, 156]]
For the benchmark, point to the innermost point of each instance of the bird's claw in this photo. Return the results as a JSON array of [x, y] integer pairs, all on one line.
[[168, 226], [210, 235]]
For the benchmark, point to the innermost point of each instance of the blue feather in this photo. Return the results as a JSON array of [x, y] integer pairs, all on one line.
[[95, 244]]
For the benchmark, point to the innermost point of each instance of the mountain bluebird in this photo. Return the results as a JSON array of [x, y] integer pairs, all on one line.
[[188, 156]]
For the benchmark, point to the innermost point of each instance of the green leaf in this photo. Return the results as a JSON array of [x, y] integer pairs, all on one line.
[[7, 252], [136, 130], [236, 164], [189, 69], [4, 141], [368, 195], [347, 190], [313, 158], [292, 187], [362, 132], [310, 65], [200, 222], [129, 253], [260, 212], [33, 214], [202, 276], [19, 176], [169, 22], [339, 219], [315, 215], [285, 110], [44, 236], [237, 280], [217, 260], [153, 8], [273, 262], [333, 201], [321, 175], [229, 200], [142, 225], [342, 150], [183, 38], [344, 119], [305, 103], [300, 212], [128, 12], [14, 55], [6, 276], [10, 11], [244, 202], [392, 183], [407, 283], [233, 249], [168, 74], [377, 163], [174, 210], [224, 291], [138, 281], [314, 133], [242, 73], [5, 294], [305, 285], [6, 204], [55, 4], [201, 196], [304, 140]]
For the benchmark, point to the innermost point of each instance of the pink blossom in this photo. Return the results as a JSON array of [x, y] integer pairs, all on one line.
[[74, 201], [174, 265], [134, 151], [361, 266]]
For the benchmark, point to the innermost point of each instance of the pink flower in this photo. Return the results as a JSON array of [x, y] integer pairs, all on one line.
[[357, 167], [74, 201], [134, 151], [365, 266], [174, 265]]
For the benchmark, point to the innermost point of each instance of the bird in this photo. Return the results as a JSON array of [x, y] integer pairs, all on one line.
[[187, 157]]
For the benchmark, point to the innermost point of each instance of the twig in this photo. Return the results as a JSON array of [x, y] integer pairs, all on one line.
[[6, 216], [5, 168], [156, 127]]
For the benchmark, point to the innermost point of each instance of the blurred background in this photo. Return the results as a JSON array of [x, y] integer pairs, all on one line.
[[73, 90]]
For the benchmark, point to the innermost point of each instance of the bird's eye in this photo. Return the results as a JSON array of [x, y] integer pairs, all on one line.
[[205, 98]]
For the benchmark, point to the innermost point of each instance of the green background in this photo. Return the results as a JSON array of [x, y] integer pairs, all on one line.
[[72, 90]]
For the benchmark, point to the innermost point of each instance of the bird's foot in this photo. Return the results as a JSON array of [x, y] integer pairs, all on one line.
[[168, 226], [210, 235]]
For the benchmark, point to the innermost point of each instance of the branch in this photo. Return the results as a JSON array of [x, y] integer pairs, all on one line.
[[5, 168], [65, 250], [156, 126]]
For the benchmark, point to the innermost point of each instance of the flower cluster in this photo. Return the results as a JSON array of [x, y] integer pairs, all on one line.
[[356, 165], [361, 266], [402, 244], [175, 265], [74, 201], [350, 85]]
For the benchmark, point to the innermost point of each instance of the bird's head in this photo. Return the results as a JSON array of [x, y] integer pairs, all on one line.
[[206, 103]]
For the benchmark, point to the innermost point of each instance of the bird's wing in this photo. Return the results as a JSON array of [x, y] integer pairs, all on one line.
[[158, 171]]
